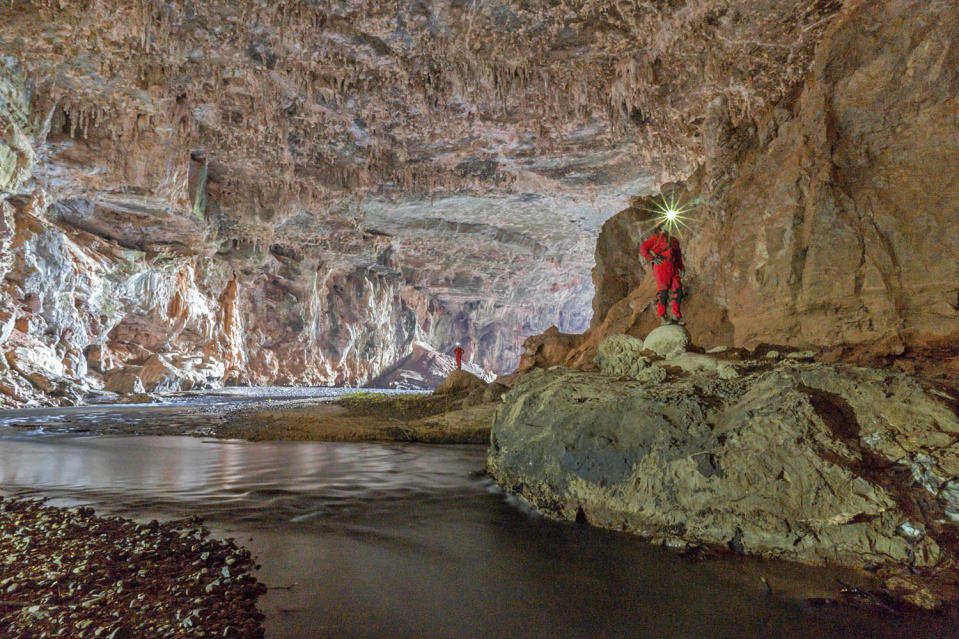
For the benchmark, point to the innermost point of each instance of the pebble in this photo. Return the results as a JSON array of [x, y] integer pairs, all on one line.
[[80, 575]]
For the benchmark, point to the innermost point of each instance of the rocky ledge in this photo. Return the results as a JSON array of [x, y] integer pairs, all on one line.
[[68, 573], [783, 458], [459, 411]]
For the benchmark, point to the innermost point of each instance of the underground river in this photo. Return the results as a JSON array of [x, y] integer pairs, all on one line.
[[403, 540]]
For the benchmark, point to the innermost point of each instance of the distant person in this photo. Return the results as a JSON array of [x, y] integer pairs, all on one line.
[[458, 352], [662, 249]]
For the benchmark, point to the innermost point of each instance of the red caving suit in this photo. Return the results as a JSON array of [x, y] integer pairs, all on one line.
[[664, 249], [458, 352]]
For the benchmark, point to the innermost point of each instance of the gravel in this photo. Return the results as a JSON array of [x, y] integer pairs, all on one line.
[[69, 573]]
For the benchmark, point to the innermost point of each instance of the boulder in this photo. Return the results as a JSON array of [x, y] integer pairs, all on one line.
[[667, 341], [621, 356], [160, 375], [38, 364], [100, 359], [549, 348], [460, 381], [804, 462]]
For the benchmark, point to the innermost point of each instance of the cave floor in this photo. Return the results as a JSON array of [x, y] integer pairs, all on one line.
[[272, 414]]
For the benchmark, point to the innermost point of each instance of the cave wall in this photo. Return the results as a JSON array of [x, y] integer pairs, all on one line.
[[830, 221], [845, 228], [295, 192]]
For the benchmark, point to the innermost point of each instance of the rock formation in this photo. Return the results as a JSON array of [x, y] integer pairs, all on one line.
[[295, 192], [830, 220], [460, 381], [802, 461], [423, 368]]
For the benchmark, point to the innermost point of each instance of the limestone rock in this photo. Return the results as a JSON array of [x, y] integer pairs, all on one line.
[[124, 381], [619, 267], [38, 364], [100, 359], [823, 221], [652, 375], [549, 348], [423, 369], [621, 356], [460, 381], [667, 341], [167, 374], [695, 362], [804, 462]]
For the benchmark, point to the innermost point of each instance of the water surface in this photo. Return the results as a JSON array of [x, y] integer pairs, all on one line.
[[182, 413], [400, 540]]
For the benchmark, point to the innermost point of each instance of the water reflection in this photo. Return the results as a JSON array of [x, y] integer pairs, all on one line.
[[409, 541]]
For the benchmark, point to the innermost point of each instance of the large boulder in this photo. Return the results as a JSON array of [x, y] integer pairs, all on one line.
[[460, 381], [166, 373], [38, 364], [124, 381], [667, 341], [803, 462]]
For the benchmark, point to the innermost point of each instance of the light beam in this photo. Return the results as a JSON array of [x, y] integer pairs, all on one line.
[[673, 215]]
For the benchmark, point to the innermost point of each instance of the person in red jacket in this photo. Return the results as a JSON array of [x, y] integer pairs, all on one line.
[[458, 352], [662, 249]]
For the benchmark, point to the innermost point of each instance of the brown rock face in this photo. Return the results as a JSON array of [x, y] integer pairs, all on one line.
[[547, 349], [830, 221], [844, 228]]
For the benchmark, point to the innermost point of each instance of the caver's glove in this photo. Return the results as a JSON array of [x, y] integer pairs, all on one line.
[[658, 258]]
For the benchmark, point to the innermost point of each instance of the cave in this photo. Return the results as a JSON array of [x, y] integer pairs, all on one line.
[[335, 318]]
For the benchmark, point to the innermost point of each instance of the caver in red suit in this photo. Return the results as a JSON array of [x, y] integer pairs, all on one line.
[[663, 251], [458, 352]]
